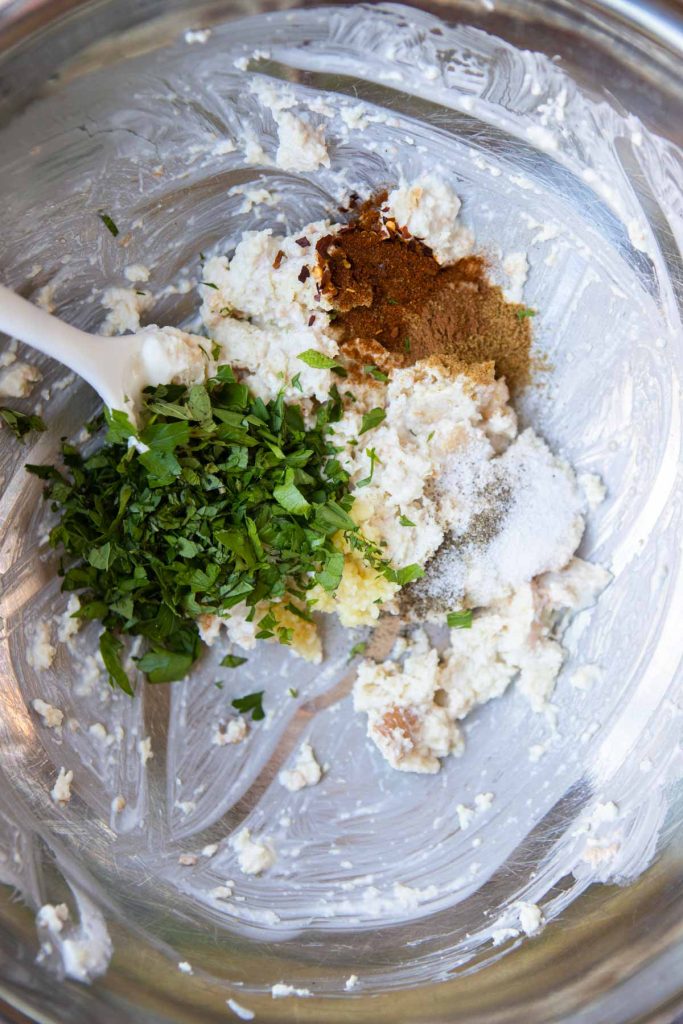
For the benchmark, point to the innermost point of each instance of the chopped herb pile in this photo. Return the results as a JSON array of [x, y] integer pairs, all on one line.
[[230, 500]]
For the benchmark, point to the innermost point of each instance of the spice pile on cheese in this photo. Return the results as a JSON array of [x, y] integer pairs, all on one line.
[[445, 513]]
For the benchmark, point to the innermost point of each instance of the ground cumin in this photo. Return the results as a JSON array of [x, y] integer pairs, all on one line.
[[392, 297]]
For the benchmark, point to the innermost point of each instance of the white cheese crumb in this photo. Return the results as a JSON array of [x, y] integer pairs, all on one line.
[[240, 1011], [282, 991], [125, 307], [530, 917], [137, 272], [61, 791], [118, 804], [253, 856], [41, 652], [593, 488], [585, 677], [306, 771], [186, 806], [52, 917], [221, 892], [185, 967], [429, 209], [197, 35], [18, 379], [145, 750], [351, 982], [209, 849], [516, 269], [52, 717], [99, 732], [232, 732], [501, 935], [67, 625], [187, 860], [465, 815], [302, 146], [483, 802]]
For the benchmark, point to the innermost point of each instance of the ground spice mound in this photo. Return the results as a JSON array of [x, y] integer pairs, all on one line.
[[389, 291]]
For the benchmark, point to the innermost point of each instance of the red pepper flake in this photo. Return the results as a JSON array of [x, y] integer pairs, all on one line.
[[304, 274], [311, 320], [279, 256], [303, 242]]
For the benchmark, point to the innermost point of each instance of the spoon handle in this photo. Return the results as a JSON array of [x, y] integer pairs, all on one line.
[[81, 352]]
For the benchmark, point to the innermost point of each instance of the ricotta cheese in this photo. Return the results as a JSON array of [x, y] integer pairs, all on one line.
[[52, 717], [18, 379], [61, 791], [306, 771], [253, 856]]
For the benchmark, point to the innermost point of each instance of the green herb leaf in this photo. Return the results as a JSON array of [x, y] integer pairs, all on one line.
[[253, 702], [330, 576], [404, 521], [375, 373], [110, 647], [291, 499], [296, 382], [108, 223], [232, 661], [460, 620], [371, 420], [372, 455], [525, 312], [406, 344], [20, 424], [357, 649], [161, 666], [318, 360], [408, 574], [293, 692]]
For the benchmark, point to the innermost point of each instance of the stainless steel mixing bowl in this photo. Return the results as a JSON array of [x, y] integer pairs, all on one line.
[[614, 954]]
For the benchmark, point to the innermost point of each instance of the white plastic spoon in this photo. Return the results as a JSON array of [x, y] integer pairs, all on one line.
[[117, 368]]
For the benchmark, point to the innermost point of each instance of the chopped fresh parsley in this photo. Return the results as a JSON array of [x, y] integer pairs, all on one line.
[[253, 702], [210, 284], [406, 344], [460, 620], [409, 573], [372, 419], [108, 223], [293, 692], [318, 360], [296, 382], [375, 373], [372, 455], [404, 521], [19, 423], [525, 312], [232, 661], [234, 501], [357, 649]]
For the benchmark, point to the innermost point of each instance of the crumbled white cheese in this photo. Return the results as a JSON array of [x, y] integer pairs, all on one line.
[[306, 771], [530, 917], [145, 750], [593, 488], [516, 269], [187, 860], [53, 917], [351, 982], [282, 991], [197, 35], [41, 652], [170, 356], [302, 145], [67, 625], [429, 208], [186, 806], [118, 804], [405, 721], [209, 850], [61, 791], [52, 717], [17, 380], [234, 731], [136, 272], [185, 968], [585, 677], [253, 856], [221, 892], [126, 306]]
